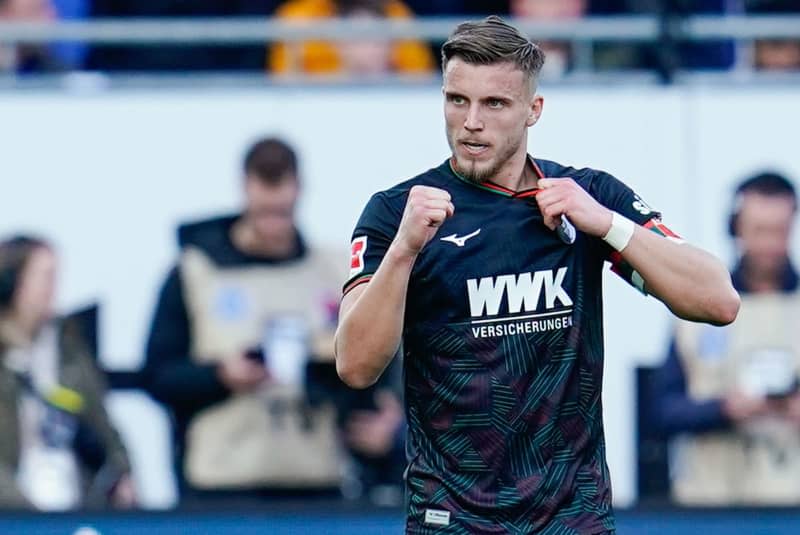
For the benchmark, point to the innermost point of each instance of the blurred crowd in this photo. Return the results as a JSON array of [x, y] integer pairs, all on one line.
[[239, 354], [361, 57]]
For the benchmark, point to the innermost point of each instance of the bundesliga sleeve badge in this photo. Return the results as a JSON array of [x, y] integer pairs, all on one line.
[[357, 250]]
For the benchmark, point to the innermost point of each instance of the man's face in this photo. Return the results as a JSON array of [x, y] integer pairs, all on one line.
[[27, 10], [548, 9], [487, 111], [763, 229], [777, 54], [34, 294], [270, 207], [365, 57]]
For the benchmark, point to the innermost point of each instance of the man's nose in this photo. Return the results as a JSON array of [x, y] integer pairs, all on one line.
[[473, 120]]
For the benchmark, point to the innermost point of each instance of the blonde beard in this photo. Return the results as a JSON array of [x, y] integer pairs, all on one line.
[[478, 176]]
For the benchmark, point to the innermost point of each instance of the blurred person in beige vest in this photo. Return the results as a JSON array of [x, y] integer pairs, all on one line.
[[58, 450], [729, 395], [241, 349]]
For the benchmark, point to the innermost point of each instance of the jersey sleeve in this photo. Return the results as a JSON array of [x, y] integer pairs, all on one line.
[[372, 236], [613, 194], [617, 196]]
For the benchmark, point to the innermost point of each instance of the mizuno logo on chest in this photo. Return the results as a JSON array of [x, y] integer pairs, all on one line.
[[522, 292], [460, 241]]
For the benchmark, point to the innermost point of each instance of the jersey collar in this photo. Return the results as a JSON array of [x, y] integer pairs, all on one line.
[[493, 187]]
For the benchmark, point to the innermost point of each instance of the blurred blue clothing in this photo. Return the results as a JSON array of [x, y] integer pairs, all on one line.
[[71, 54], [675, 411], [712, 55]]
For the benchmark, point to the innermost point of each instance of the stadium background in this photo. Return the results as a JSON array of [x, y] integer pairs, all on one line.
[[107, 166]]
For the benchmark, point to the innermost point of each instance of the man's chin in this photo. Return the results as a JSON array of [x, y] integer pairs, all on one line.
[[472, 170]]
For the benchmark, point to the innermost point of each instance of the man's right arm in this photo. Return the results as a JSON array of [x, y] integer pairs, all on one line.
[[372, 313], [371, 322], [679, 412], [172, 377]]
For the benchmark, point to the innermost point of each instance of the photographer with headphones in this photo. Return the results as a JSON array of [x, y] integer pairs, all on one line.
[[728, 396], [58, 450]]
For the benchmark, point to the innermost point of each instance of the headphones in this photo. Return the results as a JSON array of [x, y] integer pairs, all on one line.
[[733, 216], [766, 183], [9, 277], [13, 257]]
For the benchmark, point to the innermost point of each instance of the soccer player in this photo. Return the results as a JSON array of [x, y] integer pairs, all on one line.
[[488, 269]]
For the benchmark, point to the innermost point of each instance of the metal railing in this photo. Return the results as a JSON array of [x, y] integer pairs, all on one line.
[[252, 30]]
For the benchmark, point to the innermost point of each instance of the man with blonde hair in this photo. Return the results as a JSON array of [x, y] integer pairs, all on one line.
[[489, 273]]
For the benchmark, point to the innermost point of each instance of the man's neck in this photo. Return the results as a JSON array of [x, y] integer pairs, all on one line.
[[246, 239], [761, 281], [518, 175]]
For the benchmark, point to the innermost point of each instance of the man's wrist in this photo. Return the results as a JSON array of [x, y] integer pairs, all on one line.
[[620, 233], [401, 254]]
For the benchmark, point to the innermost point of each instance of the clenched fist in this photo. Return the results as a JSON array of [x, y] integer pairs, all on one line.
[[426, 209], [564, 196]]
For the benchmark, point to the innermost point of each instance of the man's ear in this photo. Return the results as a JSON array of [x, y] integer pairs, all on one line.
[[535, 111]]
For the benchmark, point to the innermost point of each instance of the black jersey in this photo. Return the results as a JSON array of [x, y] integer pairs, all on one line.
[[503, 358]]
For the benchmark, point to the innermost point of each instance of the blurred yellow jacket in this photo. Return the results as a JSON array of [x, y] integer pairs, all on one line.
[[321, 57]]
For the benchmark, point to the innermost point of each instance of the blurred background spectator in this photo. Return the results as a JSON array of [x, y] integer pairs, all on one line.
[[27, 58], [171, 57], [559, 54], [241, 352], [775, 54], [730, 394], [669, 52], [59, 450], [356, 57]]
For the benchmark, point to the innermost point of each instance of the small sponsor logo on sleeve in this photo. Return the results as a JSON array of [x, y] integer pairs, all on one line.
[[357, 250], [642, 207], [437, 518]]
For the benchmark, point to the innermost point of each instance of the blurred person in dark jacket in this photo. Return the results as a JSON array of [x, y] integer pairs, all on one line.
[[728, 395], [667, 54], [241, 351], [59, 450], [178, 57]]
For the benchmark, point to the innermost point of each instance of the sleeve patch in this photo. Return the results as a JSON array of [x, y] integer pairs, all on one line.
[[357, 250]]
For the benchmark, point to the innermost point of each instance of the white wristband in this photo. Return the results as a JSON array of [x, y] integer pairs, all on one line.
[[620, 233]]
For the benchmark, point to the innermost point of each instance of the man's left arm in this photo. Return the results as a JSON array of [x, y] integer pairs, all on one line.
[[693, 284]]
